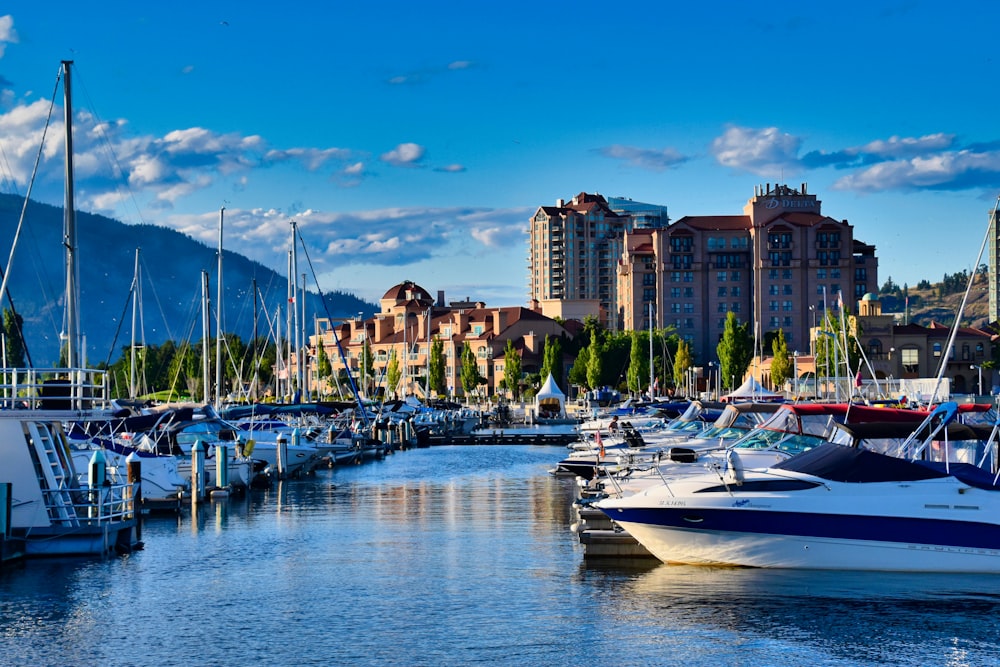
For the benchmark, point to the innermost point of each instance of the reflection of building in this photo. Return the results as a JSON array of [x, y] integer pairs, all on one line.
[[410, 319], [779, 265]]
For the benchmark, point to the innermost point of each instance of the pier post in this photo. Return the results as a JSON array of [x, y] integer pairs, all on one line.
[[133, 464], [97, 475], [221, 471], [198, 471], [282, 455]]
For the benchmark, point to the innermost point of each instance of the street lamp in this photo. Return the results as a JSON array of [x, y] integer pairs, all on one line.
[[711, 364], [795, 373], [980, 368]]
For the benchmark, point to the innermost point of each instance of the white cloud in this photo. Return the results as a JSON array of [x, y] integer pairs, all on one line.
[[645, 158], [404, 155], [7, 33], [763, 152]]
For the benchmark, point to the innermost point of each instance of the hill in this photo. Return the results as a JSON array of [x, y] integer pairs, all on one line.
[[171, 297], [939, 302]]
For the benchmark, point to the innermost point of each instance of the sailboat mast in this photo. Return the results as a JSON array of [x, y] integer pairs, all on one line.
[[133, 390], [293, 288], [218, 318], [69, 231], [206, 330]]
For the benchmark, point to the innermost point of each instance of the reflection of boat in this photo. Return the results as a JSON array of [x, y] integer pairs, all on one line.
[[832, 507]]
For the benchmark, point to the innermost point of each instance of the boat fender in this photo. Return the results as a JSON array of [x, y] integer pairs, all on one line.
[[734, 468], [248, 447]]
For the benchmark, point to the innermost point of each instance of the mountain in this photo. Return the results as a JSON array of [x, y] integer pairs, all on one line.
[[171, 297]]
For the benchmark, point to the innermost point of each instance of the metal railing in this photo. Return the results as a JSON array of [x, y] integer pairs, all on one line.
[[53, 388]]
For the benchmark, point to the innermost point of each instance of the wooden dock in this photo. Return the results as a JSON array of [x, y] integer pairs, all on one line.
[[503, 438]]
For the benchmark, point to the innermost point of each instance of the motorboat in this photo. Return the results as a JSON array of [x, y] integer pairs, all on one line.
[[834, 506]]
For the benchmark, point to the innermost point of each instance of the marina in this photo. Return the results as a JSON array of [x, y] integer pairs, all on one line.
[[452, 556]]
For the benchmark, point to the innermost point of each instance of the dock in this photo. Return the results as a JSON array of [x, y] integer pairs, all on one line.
[[602, 538], [503, 438]]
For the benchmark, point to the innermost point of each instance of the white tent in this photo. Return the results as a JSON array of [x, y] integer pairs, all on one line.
[[550, 402], [751, 390]]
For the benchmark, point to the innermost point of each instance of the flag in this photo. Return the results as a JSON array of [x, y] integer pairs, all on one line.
[[857, 379], [600, 444]]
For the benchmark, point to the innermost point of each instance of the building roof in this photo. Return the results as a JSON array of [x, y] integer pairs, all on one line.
[[715, 222], [401, 293]]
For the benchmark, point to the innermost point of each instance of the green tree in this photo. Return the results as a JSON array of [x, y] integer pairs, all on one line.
[[682, 362], [393, 374], [830, 360], [471, 377], [781, 362], [512, 370], [552, 361], [578, 371], [12, 327], [735, 351], [595, 363], [638, 365], [437, 367], [324, 370]]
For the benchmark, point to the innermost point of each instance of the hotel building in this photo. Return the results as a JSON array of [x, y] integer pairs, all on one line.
[[778, 265]]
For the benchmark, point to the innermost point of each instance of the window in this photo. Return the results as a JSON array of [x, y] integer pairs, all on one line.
[[979, 349], [773, 304], [689, 276], [721, 276], [820, 274], [736, 307], [735, 291], [788, 325], [688, 307], [910, 356], [675, 292], [786, 305], [735, 276], [688, 292], [775, 323], [675, 307], [937, 349], [773, 290], [787, 291], [786, 274], [722, 291], [722, 307], [649, 279], [772, 274]]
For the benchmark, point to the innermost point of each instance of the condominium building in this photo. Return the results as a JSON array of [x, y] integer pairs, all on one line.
[[409, 322], [779, 265], [574, 249]]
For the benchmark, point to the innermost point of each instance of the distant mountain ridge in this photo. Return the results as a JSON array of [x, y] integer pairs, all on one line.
[[172, 297], [939, 302]]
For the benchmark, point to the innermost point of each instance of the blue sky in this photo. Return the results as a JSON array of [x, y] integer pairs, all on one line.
[[412, 141]]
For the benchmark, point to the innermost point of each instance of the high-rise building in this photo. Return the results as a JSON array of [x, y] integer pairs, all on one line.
[[574, 250], [780, 265]]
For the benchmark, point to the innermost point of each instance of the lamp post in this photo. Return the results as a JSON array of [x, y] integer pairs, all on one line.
[[980, 369], [709, 387], [795, 373]]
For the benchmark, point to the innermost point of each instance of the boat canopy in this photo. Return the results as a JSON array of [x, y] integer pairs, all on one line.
[[838, 463]]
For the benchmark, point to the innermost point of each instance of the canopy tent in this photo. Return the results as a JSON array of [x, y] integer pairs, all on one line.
[[550, 402], [751, 390]]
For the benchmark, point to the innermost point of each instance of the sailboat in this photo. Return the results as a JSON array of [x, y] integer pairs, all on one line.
[[51, 512]]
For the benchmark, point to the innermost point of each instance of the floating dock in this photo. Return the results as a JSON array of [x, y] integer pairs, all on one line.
[[503, 438], [601, 538]]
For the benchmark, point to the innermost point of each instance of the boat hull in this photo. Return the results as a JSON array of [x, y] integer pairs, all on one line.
[[929, 526]]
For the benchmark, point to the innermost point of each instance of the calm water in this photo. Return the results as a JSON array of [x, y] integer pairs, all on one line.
[[456, 556]]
